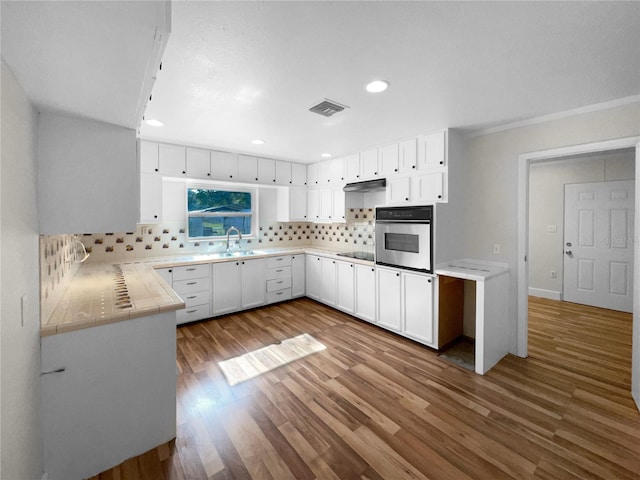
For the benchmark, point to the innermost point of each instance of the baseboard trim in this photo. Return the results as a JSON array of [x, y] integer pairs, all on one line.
[[550, 294]]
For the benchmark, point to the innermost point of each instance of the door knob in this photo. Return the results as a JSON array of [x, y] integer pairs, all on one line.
[[568, 252]]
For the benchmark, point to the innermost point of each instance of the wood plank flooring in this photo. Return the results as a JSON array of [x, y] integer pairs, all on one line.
[[376, 406]]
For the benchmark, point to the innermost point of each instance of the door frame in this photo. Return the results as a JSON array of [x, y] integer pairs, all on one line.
[[524, 162]]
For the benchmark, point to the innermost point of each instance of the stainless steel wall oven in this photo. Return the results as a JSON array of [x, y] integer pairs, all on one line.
[[404, 237]]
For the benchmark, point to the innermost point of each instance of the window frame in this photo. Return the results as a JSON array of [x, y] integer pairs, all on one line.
[[225, 188]]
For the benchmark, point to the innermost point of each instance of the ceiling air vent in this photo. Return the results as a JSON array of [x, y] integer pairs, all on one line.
[[326, 108]]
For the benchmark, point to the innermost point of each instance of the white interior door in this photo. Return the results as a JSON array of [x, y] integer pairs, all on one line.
[[598, 236]]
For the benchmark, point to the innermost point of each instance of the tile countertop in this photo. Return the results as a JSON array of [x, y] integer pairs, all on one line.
[[104, 293], [470, 269]]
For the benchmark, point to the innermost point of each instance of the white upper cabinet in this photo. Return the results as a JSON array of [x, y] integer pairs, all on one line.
[[313, 205], [407, 155], [324, 172], [312, 174], [337, 170], [429, 187], [172, 160], [266, 171], [150, 198], [388, 160], [148, 157], [224, 166], [291, 204], [339, 205], [198, 163], [432, 150], [326, 204], [298, 174], [399, 190], [369, 164], [247, 168], [283, 173], [352, 167]]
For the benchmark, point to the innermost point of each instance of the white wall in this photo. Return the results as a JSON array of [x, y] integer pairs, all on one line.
[[22, 455], [491, 165], [546, 207]]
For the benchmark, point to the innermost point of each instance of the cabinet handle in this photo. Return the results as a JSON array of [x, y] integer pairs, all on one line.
[[243, 263], [278, 283], [357, 176], [442, 162], [208, 174], [230, 176], [407, 199], [192, 283], [395, 169], [279, 293], [439, 196], [256, 179], [397, 274], [237, 263], [279, 259], [195, 296], [375, 173], [57, 370], [156, 169], [170, 270], [183, 172], [413, 166], [373, 270], [275, 180], [155, 216], [351, 265], [279, 270], [192, 311], [191, 269], [429, 280]]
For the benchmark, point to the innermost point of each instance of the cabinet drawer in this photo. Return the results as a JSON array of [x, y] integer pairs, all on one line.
[[191, 271], [278, 284], [279, 296], [279, 272], [195, 298], [191, 314], [189, 286], [283, 261]]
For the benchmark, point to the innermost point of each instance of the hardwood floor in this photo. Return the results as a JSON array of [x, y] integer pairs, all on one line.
[[376, 406]]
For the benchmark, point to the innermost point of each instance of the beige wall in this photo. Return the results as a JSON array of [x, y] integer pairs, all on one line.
[[491, 162], [22, 456], [546, 207]]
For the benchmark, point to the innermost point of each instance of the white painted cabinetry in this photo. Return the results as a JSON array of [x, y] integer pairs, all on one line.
[[172, 160], [266, 171], [193, 284], [226, 287], [253, 282], [298, 174], [247, 168], [150, 198], [369, 164], [148, 157], [312, 174], [388, 284], [328, 280], [283, 173], [298, 277], [345, 287], [432, 150], [365, 292], [407, 155], [278, 279], [198, 163], [352, 167], [314, 277], [291, 204], [224, 166], [388, 160]]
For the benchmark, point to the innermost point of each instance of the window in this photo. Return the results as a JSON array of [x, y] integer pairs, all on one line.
[[212, 211]]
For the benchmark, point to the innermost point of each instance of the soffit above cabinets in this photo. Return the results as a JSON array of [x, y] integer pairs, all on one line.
[[93, 59]]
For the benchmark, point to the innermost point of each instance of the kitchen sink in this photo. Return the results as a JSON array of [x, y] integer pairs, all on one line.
[[242, 253]]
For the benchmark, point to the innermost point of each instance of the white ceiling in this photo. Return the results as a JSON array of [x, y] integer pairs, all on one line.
[[235, 71]]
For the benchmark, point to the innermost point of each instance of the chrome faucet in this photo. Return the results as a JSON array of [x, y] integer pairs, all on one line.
[[229, 233]]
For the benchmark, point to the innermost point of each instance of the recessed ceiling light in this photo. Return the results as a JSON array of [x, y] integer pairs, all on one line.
[[154, 123], [325, 155], [377, 86], [257, 141]]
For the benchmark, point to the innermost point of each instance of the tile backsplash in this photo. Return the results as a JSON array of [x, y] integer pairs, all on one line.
[[59, 261]]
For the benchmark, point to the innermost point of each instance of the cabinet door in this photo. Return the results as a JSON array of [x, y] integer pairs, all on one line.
[[312, 174], [226, 287], [166, 274], [326, 204], [388, 160], [298, 204], [198, 164], [407, 155], [148, 157], [431, 150], [388, 283], [314, 277], [352, 167], [324, 172], [365, 289], [337, 170], [172, 160], [368, 164], [298, 275], [417, 295], [247, 168], [328, 279], [224, 166], [345, 287], [429, 188], [398, 190], [266, 171], [313, 205], [253, 282], [150, 198], [283, 173], [298, 174], [339, 207]]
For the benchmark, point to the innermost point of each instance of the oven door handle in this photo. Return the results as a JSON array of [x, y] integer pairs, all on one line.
[[400, 222]]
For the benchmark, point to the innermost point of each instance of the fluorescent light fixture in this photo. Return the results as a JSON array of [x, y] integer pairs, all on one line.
[[257, 141], [154, 123], [325, 155], [377, 86]]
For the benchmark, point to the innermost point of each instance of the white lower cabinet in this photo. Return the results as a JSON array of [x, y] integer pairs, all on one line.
[[328, 276], [226, 287], [365, 293], [278, 279], [388, 285], [405, 303], [314, 277], [298, 280], [345, 287], [253, 282], [193, 284]]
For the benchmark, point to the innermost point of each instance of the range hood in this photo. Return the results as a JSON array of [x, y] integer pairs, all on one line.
[[366, 186]]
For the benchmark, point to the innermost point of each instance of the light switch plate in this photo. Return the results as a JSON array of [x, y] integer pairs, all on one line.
[[496, 249]]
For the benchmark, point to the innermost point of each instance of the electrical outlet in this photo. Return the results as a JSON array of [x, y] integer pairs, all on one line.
[[554, 274], [496, 249]]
